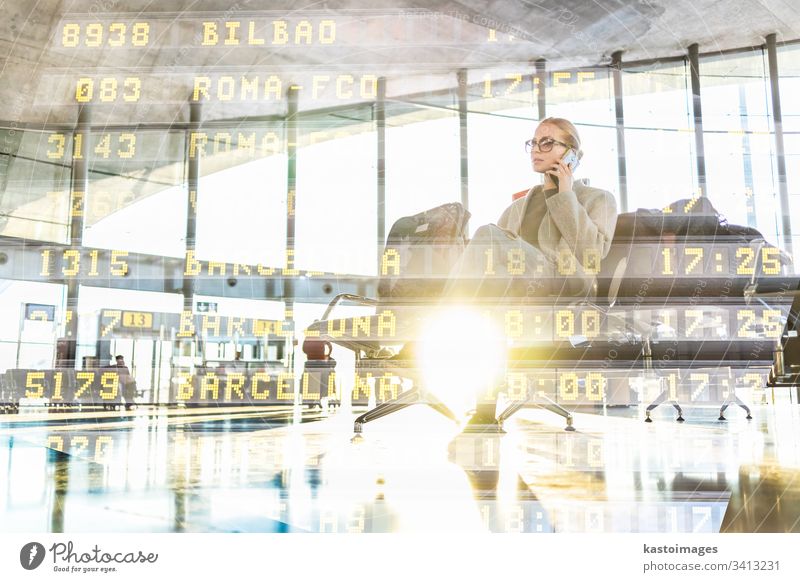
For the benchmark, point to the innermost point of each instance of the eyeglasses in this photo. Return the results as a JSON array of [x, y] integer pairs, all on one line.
[[545, 144]]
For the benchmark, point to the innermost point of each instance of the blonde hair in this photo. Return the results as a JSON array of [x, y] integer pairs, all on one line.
[[567, 127]]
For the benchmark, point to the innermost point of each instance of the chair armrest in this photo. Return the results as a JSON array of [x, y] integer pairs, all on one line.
[[752, 287], [347, 297]]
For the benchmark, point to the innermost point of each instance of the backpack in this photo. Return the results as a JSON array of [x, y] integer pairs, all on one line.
[[686, 217], [420, 251], [685, 220]]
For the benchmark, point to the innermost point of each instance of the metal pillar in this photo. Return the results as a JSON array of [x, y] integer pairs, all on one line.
[[697, 112], [540, 83], [66, 347], [463, 137], [780, 152], [747, 162], [622, 168], [292, 96], [380, 129], [193, 180]]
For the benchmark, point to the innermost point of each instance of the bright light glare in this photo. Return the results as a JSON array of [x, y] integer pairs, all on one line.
[[461, 354]]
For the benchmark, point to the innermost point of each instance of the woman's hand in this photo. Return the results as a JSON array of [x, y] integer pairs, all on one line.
[[562, 172]]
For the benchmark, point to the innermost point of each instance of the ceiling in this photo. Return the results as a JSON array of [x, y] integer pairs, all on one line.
[[39, 75]]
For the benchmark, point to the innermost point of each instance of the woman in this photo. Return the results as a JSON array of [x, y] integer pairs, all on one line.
[[561, 228], [562, 217]]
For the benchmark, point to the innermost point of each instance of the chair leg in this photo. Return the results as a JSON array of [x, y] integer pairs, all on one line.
[[743, 406], [735, 400], [404, 400], [559, 410], [647, 355], [512, 409], [663, 397], [551, 406], [438, 406]]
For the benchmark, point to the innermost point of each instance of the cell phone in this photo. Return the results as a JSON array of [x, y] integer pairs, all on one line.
[[571, 159]]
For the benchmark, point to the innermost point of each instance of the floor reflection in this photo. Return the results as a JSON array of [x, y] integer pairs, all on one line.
[[274, 470]]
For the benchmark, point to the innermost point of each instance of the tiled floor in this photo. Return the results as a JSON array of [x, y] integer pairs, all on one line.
[[284, 469]]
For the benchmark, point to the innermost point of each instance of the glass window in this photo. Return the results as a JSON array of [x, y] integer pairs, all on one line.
[[148, 357], [502, 115], [92, 300], [659, 135], [739, 157], [28, 340], [499, 167], [35, 185], [233, 307], [586, 98], [423, 159], [336, 217], [136, 199], [789, 71], [241, 200]]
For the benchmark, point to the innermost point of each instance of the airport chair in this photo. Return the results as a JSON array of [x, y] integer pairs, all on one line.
[[375, 354], [754, 290], [424, 246], [372, 354], [641, 337], [617, 286], [612, 277]]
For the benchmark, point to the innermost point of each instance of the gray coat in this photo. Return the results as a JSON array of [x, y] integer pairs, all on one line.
[[579, 223]]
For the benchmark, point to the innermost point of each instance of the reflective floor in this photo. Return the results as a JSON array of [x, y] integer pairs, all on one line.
[[279, 469]]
